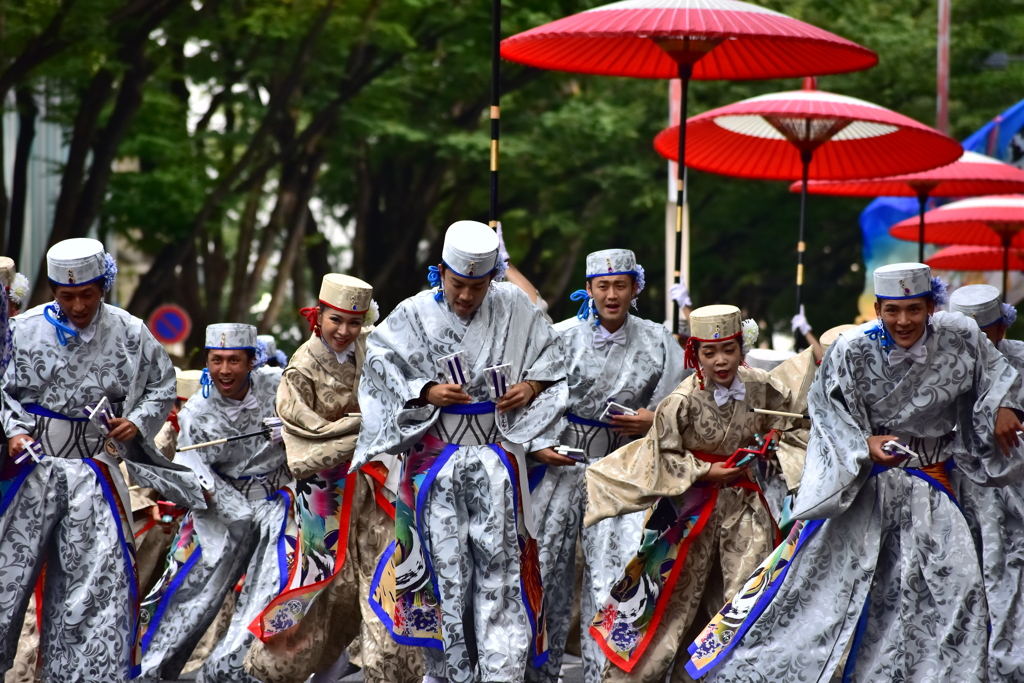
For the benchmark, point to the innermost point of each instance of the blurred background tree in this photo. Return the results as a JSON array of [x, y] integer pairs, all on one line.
[[269, 142]]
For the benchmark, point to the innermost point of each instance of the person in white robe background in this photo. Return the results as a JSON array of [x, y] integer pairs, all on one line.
[[249, 527], [613, 356], [996, 513]]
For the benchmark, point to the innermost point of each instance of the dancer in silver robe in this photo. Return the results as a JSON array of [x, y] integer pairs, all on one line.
[[65, 507], [613, 357], [462, 577], [996, 514], [883, 565], [249, 527]]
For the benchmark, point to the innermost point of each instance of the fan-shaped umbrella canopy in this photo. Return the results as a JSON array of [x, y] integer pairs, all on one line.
[[764, 137], [980, 221], [962, 257], [650, 38], [971, 175]]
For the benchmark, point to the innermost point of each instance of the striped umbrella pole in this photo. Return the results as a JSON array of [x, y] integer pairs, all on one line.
[[495, 106]]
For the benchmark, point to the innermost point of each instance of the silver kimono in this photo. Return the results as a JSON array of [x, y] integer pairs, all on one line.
[[249, 529], [884, 566], [996, 517], [71, 510], [637, 373], [464, 529]]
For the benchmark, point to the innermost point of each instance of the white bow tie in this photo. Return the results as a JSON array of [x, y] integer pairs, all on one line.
[[736, 391], [915, 354], [603, 337], [234, 409]]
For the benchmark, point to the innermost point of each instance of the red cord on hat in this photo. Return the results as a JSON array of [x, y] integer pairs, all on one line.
[[310, 314]]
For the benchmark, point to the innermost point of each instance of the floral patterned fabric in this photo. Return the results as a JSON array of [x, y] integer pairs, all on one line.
[[345, 521], [249, 528], [636, 374], [891, 573], [996, 518], [74, 504], [642, 624], [468, 522]]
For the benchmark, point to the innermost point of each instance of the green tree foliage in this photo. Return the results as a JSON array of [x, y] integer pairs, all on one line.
[[261, 126]]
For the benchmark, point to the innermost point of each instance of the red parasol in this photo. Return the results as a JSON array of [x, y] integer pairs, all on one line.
[[995, 221], [961, 257], [970, 176], [701, 39], [806, 134]]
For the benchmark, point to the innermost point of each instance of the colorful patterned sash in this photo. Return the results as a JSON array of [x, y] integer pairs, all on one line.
[[731, 623], [324, 508], [405, 592], [625, 626]]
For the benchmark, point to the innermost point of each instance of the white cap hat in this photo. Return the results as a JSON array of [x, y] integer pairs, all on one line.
[[79, 261], [346, 293], [188, 383], [767, 359], [268, 342], [611, 262], [470, 249], [231, 336], [903, 281], [980, 302]]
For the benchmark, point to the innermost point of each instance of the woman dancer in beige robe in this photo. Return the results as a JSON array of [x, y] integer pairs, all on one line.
[[345, 518], [709, 526]]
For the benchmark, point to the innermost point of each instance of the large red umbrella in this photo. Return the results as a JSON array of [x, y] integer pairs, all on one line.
[[970, 176], [962, 257], [806, 134], [996, 221], [688, 39]]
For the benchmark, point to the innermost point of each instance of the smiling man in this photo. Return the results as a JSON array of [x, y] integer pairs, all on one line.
[[68, 509], [462, 577], [613, 356], [883, 564], [249, 528]]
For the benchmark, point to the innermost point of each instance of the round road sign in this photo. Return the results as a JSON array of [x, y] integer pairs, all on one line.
[[170, 324]]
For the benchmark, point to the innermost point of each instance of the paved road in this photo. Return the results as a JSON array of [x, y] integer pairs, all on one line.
[[572, 672]]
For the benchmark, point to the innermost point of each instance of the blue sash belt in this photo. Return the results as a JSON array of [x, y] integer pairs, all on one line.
[[481, 408], [576, 419], [41, 411]]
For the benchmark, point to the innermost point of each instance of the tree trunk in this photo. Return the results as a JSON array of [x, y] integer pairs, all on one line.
[[87, 119], [298, 216], [246, 237], [316, 254], [28, 111]]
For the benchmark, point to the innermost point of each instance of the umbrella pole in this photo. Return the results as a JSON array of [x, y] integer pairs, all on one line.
[[495, 106], [1006, 268], [805, 158], [685, 72], [922, 199]]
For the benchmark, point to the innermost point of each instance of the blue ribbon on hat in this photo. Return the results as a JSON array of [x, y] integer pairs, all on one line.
[[434, 278], [206, 382], [586, 307], [55, 316]]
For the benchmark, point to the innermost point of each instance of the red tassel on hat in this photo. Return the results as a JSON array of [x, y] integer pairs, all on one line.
[[310, 314]]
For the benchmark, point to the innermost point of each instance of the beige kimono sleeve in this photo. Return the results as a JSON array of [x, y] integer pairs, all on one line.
[[635, 476], [313, 444]]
